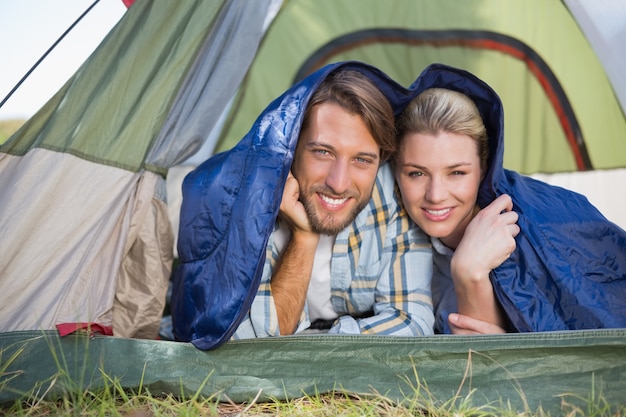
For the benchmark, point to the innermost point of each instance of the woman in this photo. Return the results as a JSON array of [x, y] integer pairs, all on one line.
[[510, 253]]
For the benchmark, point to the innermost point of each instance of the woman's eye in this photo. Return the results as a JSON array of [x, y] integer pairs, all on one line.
[[416, 174]]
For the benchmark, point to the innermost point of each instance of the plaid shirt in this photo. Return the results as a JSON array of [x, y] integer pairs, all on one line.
[[381, 271]]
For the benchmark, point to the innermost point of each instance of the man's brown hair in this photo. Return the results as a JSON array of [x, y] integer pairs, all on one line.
[[358, 95]]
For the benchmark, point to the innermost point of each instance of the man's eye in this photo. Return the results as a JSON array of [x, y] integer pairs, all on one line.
[[320, 151], [363, 160]]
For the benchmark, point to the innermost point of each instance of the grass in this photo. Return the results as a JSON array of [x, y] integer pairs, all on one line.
[[116, 401], [113, 399]]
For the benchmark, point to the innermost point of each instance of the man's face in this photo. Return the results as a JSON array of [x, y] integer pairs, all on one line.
[[336, 162]]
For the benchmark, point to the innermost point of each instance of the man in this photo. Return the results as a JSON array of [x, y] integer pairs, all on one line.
[[342, 254]]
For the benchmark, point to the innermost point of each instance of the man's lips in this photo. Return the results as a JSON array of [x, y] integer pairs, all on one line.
[[333, 203]]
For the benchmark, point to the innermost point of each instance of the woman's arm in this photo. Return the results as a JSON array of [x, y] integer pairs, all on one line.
[[488, 241]]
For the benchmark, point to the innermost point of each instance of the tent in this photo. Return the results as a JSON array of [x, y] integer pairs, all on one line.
[[84, 192], [564, 107], [88, 227]]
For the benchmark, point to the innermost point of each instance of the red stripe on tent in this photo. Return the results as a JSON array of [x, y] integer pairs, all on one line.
[[545, 84]]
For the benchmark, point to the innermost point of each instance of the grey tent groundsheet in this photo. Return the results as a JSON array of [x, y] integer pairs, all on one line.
[[527, 371]]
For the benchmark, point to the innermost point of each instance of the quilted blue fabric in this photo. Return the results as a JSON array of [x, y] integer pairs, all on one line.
[[230, 203], [569, 267], [568, 271]]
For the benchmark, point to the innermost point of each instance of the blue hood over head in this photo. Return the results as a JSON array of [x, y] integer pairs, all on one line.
[[569, 267], [568, 271], [230, 204]]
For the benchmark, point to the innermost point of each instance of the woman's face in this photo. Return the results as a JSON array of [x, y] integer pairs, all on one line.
[[439, 176]]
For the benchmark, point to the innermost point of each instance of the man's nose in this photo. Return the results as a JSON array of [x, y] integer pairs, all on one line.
[[338, 178]]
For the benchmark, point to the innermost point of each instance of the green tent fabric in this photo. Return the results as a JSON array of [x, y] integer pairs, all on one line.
[[86, 235], [527, 371], [532, 52], [557, 65]]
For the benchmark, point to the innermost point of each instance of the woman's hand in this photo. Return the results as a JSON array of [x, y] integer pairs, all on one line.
[[488, 240], [461, 324]]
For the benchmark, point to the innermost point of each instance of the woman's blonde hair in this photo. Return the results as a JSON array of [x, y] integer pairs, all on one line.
[[438, 110]]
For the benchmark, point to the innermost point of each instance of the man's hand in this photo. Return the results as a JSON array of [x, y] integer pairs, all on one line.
[[290, 279], [291, 208], [465, 325]]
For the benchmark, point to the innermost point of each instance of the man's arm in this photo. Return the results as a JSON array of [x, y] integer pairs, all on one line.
[[290, 281], [278, 306], [402, 296], [394, 263]]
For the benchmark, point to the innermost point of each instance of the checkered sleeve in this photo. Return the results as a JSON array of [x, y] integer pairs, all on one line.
[[391, 261]]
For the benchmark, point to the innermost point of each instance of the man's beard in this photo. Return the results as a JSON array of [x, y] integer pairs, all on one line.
[[329, 224]]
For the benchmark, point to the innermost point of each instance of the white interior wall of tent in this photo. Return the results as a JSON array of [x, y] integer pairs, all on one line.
[[604, 23]]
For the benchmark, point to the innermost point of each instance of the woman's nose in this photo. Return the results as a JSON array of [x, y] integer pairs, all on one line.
[[435, 191]]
